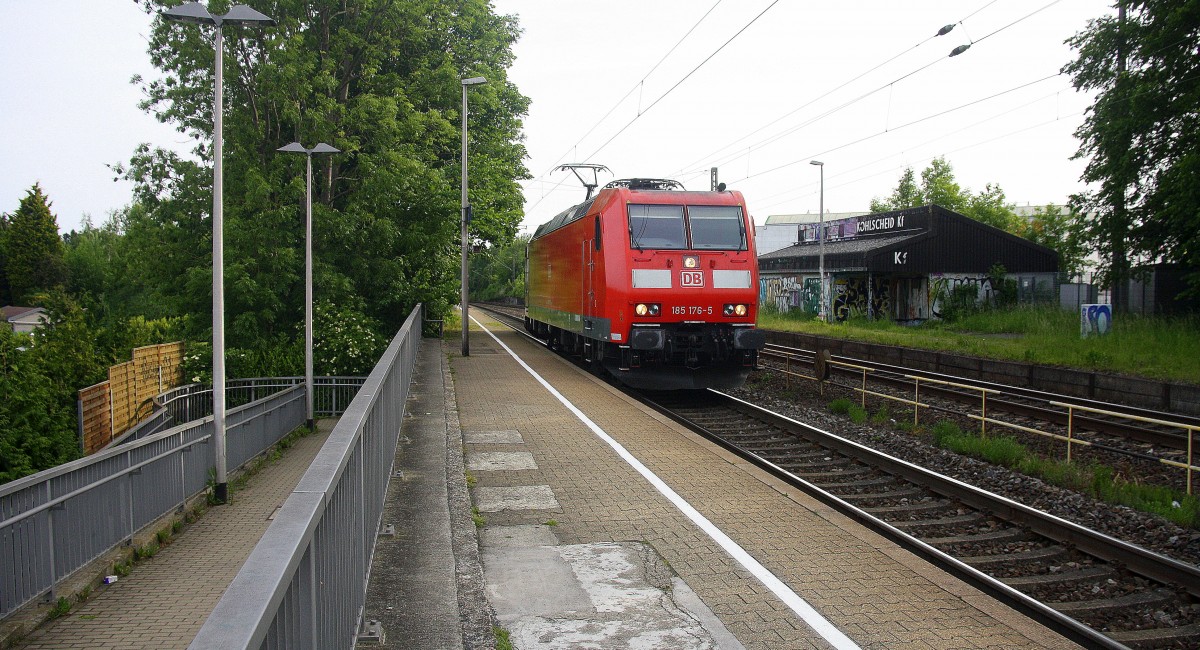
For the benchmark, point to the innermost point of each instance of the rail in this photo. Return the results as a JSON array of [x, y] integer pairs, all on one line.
[[304, 584], [1071, 437], [57, 521], [1190, 429]]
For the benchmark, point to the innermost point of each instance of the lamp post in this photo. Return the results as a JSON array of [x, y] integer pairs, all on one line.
[[296, 147], [466, 215], [821, 242], [194, 12]]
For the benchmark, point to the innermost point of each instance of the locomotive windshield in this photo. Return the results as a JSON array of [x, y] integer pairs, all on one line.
[[707, 227], [656, 226], [717, 227]]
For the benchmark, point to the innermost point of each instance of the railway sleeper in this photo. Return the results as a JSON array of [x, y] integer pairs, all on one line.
[[912, 507], [1141, 599], [1093, 573], [956, 521], [907, 492], [830, 475], [847, 487], [984, 562], [1005, 535], [1156, 637]]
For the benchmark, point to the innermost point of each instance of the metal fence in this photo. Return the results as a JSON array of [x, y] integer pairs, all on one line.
[[186, 403], [304, 584], [55, 522]]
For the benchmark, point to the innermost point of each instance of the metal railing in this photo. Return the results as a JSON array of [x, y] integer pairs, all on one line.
[[304, 584], [186, 403], [57, 521]]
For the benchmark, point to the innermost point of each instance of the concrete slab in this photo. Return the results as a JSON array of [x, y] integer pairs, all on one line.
[[487, 461], [517, 536], [508, 437], [606, 595], [521, 497]]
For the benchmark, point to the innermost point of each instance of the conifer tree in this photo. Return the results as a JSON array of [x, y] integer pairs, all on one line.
[[33, 251]]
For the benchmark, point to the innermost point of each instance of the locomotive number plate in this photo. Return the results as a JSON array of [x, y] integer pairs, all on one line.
[[691, 278], [691, 310]]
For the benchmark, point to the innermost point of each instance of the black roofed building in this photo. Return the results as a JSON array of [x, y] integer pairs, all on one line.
[[899, 264]]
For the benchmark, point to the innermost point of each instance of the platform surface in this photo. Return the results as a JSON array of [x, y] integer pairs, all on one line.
[[535, 464]]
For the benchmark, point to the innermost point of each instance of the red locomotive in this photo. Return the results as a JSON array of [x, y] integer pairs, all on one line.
[[657, 284]]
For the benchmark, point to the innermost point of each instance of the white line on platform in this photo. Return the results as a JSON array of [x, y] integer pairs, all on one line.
[[798, 605]]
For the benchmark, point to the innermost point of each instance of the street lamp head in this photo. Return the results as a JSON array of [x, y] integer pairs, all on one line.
[[320, 147], [243, 15], [474, 81], [194, 12], [817, 163]]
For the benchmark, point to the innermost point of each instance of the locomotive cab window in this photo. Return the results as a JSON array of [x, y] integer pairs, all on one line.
[[657, 226], [717, 227]]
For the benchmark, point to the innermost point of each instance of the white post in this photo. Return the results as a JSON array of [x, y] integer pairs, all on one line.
[[222, 487]]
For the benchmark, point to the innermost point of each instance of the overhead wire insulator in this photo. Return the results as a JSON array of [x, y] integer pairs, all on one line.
[[945, 30], [960, 49]]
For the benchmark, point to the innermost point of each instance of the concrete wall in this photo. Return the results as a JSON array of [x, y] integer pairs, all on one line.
[[1178, 398]]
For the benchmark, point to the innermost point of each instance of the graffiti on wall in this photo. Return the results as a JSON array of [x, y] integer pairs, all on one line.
[[792, 292], [943, 284], [851, 298]]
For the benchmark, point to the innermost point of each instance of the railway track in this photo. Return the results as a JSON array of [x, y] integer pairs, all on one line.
[[1097, 590], [1066, 423]]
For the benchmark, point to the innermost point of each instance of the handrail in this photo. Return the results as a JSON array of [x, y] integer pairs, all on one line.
[[304, 584], [116, 492]]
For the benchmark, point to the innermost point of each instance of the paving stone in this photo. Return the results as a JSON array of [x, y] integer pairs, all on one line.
[[522, 497], [491, 461], [508, 437]]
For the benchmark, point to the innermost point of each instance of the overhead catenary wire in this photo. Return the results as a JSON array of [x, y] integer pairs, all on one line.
[[683, 79], [902, 126], [635, 87], [941, 136], [833, 111]]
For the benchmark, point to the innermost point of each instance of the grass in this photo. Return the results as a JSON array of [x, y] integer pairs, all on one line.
[[1155, 347], [503, 642], [851, 409], [480, 522], [1098, 481], [61, 608]]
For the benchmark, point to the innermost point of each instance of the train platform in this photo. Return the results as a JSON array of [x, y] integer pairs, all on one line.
[[532, 498], [603, 524]]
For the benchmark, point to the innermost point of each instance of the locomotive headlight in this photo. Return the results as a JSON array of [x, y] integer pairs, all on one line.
[[736, 310], [691, 261], [647, 309]]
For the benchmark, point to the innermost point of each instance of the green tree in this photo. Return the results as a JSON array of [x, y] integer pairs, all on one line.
[[939, 187], [906, 195], [499, 272], [33, 251], [1059, 230], [991, 207], [1141, 137], [381, 82], [40, 374]]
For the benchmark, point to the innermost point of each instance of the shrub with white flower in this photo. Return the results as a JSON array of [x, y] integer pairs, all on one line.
[[345, 340]]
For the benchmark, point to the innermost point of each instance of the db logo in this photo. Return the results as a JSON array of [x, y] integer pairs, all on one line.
[[691, 278]]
